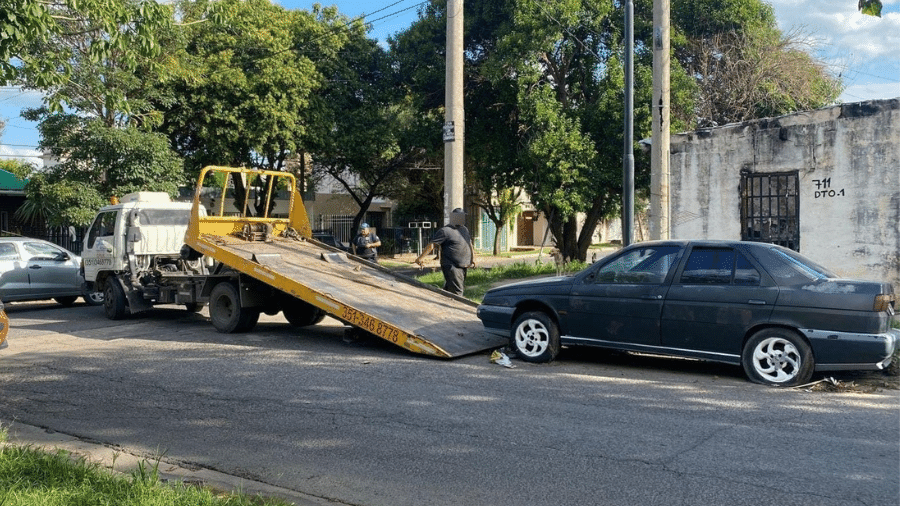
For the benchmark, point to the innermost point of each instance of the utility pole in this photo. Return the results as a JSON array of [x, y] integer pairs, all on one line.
[[659, 149], [454, 115], [628, 149]]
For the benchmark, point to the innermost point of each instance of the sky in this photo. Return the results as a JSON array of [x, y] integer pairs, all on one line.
[[863, 50]]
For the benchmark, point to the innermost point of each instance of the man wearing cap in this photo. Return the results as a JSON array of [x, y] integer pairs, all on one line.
[[366, 242], [457, 251]]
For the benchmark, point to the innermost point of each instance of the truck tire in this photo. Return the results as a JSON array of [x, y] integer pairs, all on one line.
[[226, 313], [300, 313], [114, 300]]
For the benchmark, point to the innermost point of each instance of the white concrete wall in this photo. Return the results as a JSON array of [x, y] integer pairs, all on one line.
[[848, 159]]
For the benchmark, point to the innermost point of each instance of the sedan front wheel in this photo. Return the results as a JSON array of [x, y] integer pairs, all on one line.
[[535, 337], [778, 357]]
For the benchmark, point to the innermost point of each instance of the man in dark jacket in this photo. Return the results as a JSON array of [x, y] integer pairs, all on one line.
[[457, 251], [366, 242]]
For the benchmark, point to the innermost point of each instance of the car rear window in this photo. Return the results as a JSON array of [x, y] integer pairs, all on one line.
[[789, 266]]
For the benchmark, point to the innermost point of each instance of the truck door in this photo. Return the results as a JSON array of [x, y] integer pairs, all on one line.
[[99, 245]]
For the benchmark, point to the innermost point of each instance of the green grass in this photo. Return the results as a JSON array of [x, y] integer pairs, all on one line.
[[479, 281], [30, 477]]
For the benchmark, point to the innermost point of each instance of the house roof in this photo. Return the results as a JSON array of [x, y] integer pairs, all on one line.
[[9, 183]]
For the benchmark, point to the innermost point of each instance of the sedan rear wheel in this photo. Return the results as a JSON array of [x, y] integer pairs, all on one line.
[[778, 357], [535, 337]]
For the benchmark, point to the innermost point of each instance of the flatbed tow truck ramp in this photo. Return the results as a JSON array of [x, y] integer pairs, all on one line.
[[264, 253]]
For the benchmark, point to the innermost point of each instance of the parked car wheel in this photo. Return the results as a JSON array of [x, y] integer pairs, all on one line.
[[66, 301], [777, 357], [226, 313], [114, 300], [535, 337], [93, 298]]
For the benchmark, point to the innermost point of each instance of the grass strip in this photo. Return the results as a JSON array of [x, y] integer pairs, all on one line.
[[32, 477]]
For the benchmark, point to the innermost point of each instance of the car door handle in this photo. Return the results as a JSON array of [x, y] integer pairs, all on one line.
[[756, 302], [651, 297], [34, 266]]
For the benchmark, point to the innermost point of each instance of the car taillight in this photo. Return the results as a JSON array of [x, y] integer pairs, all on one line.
[[884, 303]]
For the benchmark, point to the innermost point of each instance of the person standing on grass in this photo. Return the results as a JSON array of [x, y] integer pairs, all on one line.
[[366, 242], [457, 251]]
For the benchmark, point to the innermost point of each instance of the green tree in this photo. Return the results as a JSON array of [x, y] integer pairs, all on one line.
[[742, 65], [38, 45], [870, 7], [98, 162], [244, 79], [365, 133]]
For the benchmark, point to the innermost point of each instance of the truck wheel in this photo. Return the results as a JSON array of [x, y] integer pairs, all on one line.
[[299, 313], [114, 300], [225, 310]]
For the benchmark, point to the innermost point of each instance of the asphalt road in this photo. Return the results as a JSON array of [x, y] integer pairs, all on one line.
[[365, 423]]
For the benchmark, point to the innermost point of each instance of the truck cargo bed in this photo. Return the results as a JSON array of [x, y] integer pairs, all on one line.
[[394, 307]]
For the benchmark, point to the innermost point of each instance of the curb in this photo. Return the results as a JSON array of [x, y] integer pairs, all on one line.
[[124, 461]]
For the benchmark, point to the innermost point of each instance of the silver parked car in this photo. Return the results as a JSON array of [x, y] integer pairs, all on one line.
[[33, 269]]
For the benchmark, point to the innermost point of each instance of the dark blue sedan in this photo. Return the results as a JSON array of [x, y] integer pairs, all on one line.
[[767, 308]]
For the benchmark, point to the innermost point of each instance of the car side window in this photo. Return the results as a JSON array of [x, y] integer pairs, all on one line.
[[8, 252], [744, 272], [719, 266], [648, 265], [709, 266], [39, 249]]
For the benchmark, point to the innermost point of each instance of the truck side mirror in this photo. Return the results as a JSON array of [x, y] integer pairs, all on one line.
[[133, 235]]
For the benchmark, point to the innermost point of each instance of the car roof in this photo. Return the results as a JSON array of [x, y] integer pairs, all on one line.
[[22, 239], [705, 242]]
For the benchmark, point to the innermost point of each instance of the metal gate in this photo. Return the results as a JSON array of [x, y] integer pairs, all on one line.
[[770, 208]]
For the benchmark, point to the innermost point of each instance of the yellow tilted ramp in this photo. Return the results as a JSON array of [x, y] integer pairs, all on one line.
[[398, 309]]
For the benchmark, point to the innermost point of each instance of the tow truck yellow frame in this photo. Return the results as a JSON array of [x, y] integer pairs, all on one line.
[[279, 252]]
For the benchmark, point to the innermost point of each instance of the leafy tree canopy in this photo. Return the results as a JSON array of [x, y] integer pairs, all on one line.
[[98, 162], [870, 7], [244, 80], [31, 32]]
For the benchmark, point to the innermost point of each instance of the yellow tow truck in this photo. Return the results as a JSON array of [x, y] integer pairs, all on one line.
[[247, 253]]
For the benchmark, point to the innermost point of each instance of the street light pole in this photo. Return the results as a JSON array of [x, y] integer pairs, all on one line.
[[628, 148]]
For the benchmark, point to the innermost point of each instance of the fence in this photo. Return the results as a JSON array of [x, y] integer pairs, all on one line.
[[68, 237]]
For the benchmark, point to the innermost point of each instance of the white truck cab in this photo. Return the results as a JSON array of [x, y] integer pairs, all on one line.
[[136, 237]]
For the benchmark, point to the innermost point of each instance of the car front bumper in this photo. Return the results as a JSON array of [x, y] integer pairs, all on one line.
[[844, 351], [496, 319]]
